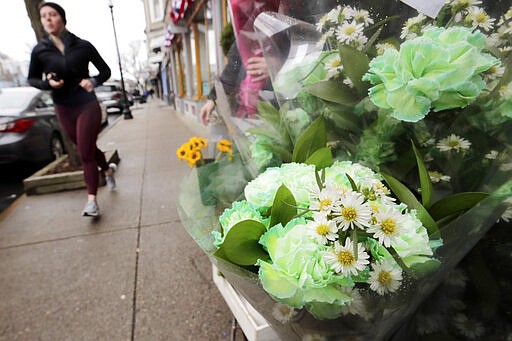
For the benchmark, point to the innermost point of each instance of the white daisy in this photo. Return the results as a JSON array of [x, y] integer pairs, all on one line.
[[334, 14], [363, 16], [333, 67], [464, 5], [382, 191], [349, 32], [389, 223], [508, 14], [453, 142], [437, 177], [356, 305], [323, 200], [342, 259], [381, 47], [347, 13], [505, 49], [506, 90], [348, 82], [471, 329], [322, 229], [321, 23], [480, 18], [325, 37], [494, 72], [352, 211], [413, 26], [492, 155], [492, 40], [385, 278], [283, 313]]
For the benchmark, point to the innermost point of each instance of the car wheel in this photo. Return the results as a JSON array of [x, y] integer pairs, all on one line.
[[56, 146]]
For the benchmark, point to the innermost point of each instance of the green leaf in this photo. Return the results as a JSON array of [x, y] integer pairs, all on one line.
[[319, 181], [284, 207], [322, 158], [355, 65], [407, 197], [372, 39], [269, 113], [423, 269], [456, 204], [333, 91], [268, 132], [312, 139], [284, 154], [241, 245], [425, 183], [352, 183]]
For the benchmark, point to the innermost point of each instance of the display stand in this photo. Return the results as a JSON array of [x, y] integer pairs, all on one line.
[[254, 326]]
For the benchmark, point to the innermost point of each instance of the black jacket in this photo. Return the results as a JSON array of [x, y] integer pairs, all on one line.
[[72, 66]]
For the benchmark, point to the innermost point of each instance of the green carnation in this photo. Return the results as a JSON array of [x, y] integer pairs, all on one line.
[[261, 153], [239, 211], [362, 176], [299, 276], [439, 70], [298, 177]]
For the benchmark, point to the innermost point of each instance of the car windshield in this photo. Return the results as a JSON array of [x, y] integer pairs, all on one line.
[[17, 98]]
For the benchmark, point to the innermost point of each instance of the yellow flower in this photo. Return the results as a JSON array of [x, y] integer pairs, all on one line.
[[193, 157], [194, 141], [189, 146], [202, 142], [224, 146], [182, 152]]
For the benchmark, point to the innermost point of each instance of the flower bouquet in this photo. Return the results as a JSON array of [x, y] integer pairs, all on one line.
[[384, 167], [208, 169]]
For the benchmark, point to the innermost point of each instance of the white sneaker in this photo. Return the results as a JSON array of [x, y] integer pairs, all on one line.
[[91, 209], [109, 178]]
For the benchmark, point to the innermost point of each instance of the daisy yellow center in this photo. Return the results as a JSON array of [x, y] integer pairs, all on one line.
[[493, 69], [388, 226], [385, 278], [453, 143], [336, 63], [349, 30], [322, 229], [349, 213], [373, 220], [481, 17], [346, 258], [324, 204]]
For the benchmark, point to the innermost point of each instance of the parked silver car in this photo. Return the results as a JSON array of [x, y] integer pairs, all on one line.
[[111, 94], [29, 129]]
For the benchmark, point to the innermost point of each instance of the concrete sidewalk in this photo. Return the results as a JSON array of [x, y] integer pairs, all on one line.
[[134, 274]]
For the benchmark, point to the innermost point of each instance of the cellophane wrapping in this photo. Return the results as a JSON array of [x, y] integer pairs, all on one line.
[[391, 85]]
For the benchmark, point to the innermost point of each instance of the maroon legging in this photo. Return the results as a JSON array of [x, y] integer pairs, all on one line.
[[82, 124]]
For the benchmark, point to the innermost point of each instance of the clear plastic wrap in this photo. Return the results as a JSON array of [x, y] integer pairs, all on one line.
[[423, 99]]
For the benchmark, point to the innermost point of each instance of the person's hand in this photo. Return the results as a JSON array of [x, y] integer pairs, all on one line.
[[206, 111], [87, 85], [257, 68], [54, 82]]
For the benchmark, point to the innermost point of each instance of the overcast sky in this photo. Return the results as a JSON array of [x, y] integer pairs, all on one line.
[[89, 20]]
